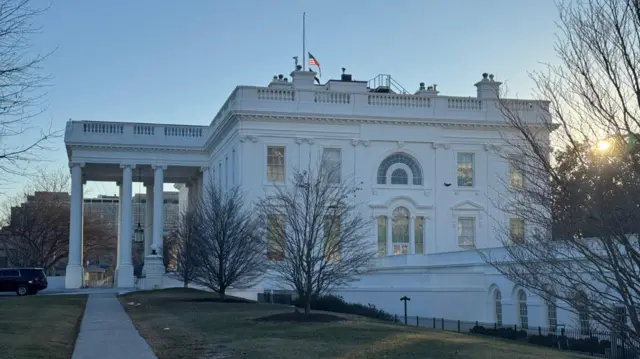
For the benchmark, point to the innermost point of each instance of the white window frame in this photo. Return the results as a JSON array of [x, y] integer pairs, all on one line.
[[523, 309], [339, 165], [511, 232], [475, 230], [497, 307], [473, 168], [266, 162], [552, 320], [511, 169]]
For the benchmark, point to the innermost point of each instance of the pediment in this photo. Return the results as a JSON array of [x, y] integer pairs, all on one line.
[[467, 206]]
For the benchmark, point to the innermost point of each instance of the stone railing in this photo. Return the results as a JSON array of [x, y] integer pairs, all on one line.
[[146, 134], [334, 103]]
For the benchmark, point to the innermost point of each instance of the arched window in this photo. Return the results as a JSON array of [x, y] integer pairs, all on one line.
[[404, 159], [498, 307], [522, 309], [552, 314], [399, 176], [400, 231]]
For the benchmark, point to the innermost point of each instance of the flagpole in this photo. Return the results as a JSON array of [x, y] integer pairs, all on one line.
[[304, 50]]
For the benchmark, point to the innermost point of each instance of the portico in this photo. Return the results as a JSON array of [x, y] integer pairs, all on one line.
[[153, 176]]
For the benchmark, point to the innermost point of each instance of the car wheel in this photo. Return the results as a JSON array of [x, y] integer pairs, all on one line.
[[22, 290]]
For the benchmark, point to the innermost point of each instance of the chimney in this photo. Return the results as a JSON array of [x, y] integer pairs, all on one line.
[[427, 91], [488, 87], [303, 79]]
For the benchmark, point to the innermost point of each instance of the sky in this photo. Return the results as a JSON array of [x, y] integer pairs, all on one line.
[[177, 61]]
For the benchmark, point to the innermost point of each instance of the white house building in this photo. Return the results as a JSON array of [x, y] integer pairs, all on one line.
[[429, 166]]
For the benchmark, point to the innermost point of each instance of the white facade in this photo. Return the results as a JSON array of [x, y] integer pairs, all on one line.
[[406, 150]]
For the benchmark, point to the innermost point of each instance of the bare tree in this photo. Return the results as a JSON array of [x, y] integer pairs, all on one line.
[[184, 252], [20, 82], [580, 248], [36, 225], [317, 239], [231, 248]]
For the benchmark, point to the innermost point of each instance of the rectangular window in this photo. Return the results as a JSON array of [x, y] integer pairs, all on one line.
[[332, 164], [516, 176], [275, 163], [382, 236], [275, 237], [233, 167], [516, 230], [466, 231], [583, 318], [226, 172], [220, 175], [418, 232], [465, 169], [332, 237], [552, 315]]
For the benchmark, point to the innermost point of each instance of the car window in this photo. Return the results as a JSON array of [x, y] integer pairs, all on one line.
[[10, 273]]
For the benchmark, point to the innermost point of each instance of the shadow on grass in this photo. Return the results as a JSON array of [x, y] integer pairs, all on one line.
[[301, 318], [218, 300]]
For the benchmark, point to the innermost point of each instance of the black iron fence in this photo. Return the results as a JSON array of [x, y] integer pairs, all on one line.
[[595, 343]]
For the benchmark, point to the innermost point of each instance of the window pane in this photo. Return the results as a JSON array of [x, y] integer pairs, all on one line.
[[275, 163], [332, 163], [516, 229], [516, 178], [466, 231], [400, 230], [498, 309], [419, 226], [382, 236], [552, 313], [332, 237], [524, 314], [399, 176], [465, 169], [275, 237]]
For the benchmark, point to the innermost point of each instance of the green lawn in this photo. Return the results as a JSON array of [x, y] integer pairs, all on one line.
[[177, 328], [40, 326]]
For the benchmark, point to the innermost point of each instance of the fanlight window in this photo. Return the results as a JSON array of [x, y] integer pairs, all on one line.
[[400, 175]]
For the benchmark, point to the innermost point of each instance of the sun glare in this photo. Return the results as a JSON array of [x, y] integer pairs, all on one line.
[[603, 145]]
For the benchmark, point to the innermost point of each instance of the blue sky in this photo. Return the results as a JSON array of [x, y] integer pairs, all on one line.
[[177, 61]]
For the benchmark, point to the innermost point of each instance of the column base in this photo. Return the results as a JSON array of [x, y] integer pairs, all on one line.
[[74, 277], [154, 271], [124, 276]]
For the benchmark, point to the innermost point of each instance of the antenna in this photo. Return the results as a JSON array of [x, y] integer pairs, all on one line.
[[304, 45]]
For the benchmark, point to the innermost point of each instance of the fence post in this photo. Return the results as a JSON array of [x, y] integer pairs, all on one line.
[[458, 326], [477, 324], [540, 331], [434, 322], [515, 327], [442, 320], [417, 321], [395, 319]]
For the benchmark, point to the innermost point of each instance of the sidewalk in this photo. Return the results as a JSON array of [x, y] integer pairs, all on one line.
[[106, 332]]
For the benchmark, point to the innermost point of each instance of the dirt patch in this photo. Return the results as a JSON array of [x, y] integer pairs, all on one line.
[[301, 318], [217, 300]]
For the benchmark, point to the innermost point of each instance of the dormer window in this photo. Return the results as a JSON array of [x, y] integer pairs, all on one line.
[[400, 169]]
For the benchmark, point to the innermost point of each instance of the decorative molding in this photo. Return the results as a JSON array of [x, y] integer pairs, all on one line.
[[492, 147], [427, 192], [301, 140], [73, 164], [251, 138], [467, 205], [155, 167], [204, 169], [129, 165], [375, 192], [435, 145], [400, 144], [458, 191], [365, 143]]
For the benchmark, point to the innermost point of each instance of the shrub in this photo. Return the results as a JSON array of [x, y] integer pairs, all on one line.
[[337, 304]]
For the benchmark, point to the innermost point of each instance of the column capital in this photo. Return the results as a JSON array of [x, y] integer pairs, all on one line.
[[204, 168], [127, 165], [162, 167], [74, 164]]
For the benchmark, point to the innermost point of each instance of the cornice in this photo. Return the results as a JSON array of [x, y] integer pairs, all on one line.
[[373, 120], [135, 148]]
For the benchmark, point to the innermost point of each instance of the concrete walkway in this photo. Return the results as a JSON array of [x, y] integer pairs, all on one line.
[[107, 332]]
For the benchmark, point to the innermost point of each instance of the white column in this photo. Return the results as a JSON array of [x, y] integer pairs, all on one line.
[[124, 276], [389, 235], [412, 235], [148, 219], [74, 273], [158, 207], [206, 181], [118, 254]]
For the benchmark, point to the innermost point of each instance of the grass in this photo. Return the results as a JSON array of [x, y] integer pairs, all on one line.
[[177, 328], [37, 327]]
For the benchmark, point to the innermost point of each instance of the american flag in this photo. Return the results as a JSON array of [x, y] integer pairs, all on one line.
[[314, 62]]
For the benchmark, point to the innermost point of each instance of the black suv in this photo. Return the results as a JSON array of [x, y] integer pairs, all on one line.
[[23, 281]]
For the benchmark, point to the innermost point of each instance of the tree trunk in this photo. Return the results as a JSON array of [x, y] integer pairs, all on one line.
[[222, 294], [185, 284], [307, 305]]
